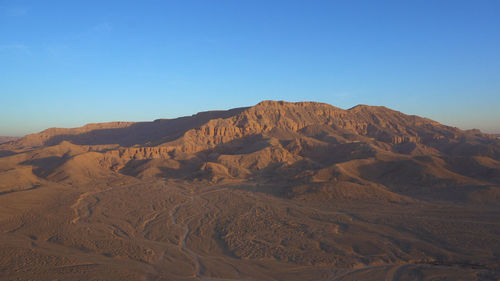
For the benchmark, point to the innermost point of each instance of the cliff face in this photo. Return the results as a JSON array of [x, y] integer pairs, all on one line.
[[272, 141], [270, 117]]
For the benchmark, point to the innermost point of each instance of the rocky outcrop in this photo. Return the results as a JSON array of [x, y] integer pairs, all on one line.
[[275, 140]]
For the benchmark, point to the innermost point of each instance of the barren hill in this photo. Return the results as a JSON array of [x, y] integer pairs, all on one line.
[[274, 141], [4, 139], [254, 193]]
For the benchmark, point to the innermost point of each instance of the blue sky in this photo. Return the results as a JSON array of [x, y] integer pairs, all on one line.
[[67, 63]]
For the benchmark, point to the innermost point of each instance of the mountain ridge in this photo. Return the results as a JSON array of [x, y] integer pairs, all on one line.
[[51, 132], [299, 142]]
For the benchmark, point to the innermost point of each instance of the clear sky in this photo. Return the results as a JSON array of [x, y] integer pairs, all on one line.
[[67, 63]]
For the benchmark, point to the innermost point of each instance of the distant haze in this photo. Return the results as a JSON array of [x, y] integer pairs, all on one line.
[[65, 64]]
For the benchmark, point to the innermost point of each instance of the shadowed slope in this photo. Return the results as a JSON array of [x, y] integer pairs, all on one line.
[[124, 133]]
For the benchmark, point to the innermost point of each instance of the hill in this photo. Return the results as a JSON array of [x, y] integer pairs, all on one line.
[[4, 139], [300, 143], [276, 191]]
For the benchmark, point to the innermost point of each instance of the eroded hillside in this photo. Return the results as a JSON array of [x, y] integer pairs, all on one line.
[[277, 191]]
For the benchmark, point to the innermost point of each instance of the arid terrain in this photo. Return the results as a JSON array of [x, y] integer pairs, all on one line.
[[4, 139], [276, 191]]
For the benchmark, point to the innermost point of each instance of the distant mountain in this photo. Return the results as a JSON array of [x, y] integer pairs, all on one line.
[[4, 139]]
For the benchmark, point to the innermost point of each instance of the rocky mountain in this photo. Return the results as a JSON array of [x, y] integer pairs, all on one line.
[[275, 141], [276, 191]]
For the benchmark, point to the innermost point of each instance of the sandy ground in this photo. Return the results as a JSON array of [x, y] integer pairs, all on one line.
[[175, 230]]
